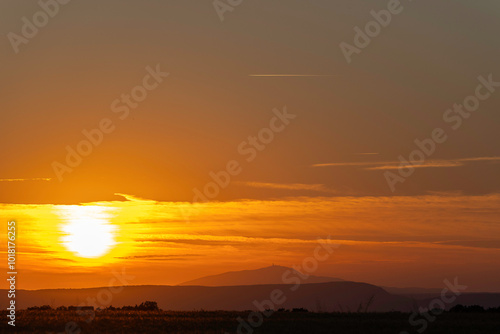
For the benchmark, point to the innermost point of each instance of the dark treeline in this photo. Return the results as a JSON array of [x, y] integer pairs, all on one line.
[[473, 309], [153, 306], [146, 306]]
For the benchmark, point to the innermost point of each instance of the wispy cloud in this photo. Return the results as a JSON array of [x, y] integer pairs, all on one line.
[[427, 164], [290, 75], [133, 198], [387, 165], [354, 164], [494, 244], [481, 159], [287, 186], [159, 257], [215, 239], [21, 180], [236, 241]]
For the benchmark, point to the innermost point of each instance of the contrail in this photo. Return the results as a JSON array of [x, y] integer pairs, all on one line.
[[289, 75], [19, 180]]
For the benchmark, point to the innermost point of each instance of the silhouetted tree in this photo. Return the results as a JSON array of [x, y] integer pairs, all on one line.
[[300, 310], [149, 306], [40, 308], [467, 309]]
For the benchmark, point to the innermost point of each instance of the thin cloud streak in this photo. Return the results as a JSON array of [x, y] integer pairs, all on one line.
[[21, 180], [213, 240], [430, 164], [381, 165], [290, 75], [353, 164], [287, 186]]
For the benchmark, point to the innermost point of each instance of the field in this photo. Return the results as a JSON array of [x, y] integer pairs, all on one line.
[[120, 321]]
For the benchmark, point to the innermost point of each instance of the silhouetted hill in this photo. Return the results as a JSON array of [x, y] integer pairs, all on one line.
[[412, 291], [267, 275], [327, 297], [333, 296]]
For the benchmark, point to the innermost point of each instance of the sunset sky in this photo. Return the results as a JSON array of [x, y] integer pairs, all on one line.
[[131, 203]]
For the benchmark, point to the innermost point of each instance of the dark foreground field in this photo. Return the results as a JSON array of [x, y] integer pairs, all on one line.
[[221, 322]]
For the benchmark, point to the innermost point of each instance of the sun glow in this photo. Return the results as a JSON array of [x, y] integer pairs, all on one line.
[[88, 232]]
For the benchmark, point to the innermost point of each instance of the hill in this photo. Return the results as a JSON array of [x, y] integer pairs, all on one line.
[[333, 296]]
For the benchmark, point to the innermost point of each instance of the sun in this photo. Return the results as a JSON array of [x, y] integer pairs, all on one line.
[[87, 231]]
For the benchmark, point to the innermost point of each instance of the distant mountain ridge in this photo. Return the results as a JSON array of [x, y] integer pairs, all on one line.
[[333, 296], [324, 297], [254, 290], [268, 275]]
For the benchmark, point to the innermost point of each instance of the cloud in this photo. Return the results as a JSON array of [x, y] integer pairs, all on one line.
[[387, 165], [241, 241], [133, 198], [290, 75], [427, 164], [235, 239], [354, 164], [20, 180], [481, 159], [288, 186], [493, 244], [159, 257]]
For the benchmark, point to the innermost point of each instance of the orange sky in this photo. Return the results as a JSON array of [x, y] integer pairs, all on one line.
[[207, 90]]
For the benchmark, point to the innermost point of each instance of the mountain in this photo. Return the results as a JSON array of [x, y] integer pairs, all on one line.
[[341, 296], [268, 275]]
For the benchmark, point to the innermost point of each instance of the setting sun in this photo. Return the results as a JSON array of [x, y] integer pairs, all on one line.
[[87, 231]]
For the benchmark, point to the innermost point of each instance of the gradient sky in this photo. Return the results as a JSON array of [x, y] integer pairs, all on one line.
[[323, 175]]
